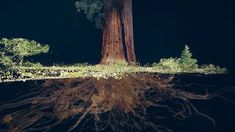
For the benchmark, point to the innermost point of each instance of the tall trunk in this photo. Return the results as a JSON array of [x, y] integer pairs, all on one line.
[[127, 19], [112, 49], [118, 43]]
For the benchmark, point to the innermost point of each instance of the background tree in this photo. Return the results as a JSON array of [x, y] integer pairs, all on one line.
[[186, 60], [114, 17], [15, 50]]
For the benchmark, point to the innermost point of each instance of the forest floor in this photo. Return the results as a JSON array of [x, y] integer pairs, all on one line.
[[23, 73]]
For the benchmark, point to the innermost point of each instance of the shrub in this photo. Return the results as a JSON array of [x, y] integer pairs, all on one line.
[[213, 69], [170, 65], [6, 61]]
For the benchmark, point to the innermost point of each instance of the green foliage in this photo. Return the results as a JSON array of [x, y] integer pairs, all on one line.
[[5, 61], [171, 65], [117, 71], [186, 64], [187, 61], [14, 50], [213, 69], [30, 64], [6, 74], [93, 10]]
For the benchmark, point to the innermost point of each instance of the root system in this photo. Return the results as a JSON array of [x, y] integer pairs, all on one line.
[[132, 103]]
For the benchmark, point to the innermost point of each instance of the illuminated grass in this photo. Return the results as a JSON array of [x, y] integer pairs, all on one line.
[[103, 71], [35, 71]]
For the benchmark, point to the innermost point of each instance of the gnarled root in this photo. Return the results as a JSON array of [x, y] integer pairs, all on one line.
[[130, 103]]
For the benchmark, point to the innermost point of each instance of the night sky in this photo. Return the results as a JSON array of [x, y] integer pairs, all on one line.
[[161, 27]]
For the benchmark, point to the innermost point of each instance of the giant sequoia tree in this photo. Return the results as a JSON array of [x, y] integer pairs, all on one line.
[[134, 102], [115, 19]]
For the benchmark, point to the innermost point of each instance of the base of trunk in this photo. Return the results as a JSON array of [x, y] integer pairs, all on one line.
[[118, 43], [114, 60]]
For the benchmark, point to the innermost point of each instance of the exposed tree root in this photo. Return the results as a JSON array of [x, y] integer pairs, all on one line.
[[130, 103]]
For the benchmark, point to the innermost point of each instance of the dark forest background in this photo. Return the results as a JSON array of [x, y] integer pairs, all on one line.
[[161, 29]]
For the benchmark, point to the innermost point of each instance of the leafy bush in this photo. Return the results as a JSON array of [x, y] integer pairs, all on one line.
[[187, 64], [213, 69], [6, 61], [170, 65], [5, 74], [186, 61]]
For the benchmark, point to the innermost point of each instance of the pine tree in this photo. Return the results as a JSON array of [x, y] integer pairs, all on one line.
[[186, 60]]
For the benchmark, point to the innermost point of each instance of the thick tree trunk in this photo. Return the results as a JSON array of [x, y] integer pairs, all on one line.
[[112, 49], [127, 19], [118, 43]]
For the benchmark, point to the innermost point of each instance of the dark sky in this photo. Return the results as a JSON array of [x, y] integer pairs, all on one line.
[[162, 28]]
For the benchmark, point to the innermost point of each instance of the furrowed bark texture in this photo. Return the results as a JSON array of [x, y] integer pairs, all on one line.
[[118, 42], [127, 20]]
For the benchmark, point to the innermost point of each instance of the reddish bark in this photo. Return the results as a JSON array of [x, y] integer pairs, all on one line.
[[118, 43], [112, 49], [127, 20]]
